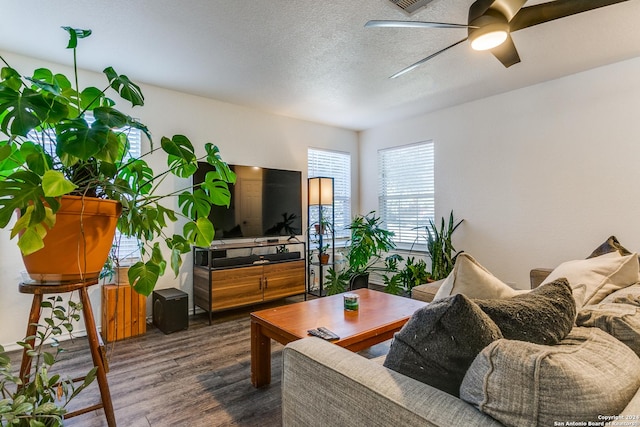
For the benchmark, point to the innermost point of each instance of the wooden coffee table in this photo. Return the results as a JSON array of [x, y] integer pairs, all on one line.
[[379, 317]]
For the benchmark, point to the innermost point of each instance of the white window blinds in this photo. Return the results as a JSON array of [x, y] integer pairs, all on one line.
[[128, 247], [406, 193], [336, 165]]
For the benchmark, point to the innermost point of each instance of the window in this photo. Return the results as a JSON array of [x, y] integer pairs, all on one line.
[[406, 195], [336, 165], [128, 247]]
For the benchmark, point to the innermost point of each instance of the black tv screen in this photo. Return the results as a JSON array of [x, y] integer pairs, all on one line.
[[264, 203]]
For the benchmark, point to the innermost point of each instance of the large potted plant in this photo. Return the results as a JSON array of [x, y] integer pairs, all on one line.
[[88, 162], [368, 243]]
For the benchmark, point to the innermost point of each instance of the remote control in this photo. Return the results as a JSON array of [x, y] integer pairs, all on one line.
[[323, 333], [331, 334]]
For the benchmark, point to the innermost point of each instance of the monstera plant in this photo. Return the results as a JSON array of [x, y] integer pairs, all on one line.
[[61, 142]]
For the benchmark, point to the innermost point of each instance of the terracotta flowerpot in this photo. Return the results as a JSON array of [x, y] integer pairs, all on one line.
[[77, 247], [324, 258]]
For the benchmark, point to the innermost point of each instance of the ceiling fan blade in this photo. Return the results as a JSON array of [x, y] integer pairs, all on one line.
[[422, 61], [545, 12], [509, 8], [479, 8], [506, 53], [413, 24]]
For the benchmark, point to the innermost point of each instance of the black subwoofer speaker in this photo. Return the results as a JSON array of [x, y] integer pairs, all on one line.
[[170, 310]]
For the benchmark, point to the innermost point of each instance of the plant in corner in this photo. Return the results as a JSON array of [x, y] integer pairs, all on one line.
[[369, 242], [89, 160], [440, 247]]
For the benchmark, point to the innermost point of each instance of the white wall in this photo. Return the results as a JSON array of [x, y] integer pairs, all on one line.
[[541, 175], [244, 136]]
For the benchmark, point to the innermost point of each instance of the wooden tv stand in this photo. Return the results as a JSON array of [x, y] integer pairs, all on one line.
[[239, 274]]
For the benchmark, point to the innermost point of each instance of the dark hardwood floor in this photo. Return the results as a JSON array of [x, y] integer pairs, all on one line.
[[197, 377]]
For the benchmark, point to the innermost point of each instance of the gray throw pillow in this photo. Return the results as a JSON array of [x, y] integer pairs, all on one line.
[[610, 245], [440, 341], [521, 384], [617, 319], [543, 316]]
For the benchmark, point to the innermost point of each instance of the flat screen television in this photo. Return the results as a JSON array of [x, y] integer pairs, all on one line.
[[264, 203]]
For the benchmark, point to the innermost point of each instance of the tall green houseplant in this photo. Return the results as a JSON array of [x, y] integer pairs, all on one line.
[[440, 247], [90, 159]]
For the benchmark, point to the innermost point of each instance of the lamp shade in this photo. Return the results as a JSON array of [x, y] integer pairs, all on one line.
[[320, 191]]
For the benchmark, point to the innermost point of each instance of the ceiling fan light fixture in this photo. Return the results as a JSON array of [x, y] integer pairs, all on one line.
[[489, 36]]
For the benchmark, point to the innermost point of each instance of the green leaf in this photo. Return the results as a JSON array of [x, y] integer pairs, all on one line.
[[214, 159], [144, 277], [181, 167], [110, 117], [76, 138], [25, 111], [74, 35], [138, 175], [23, 408], [19, 190], [194, 204], [54, 184], [176, 261], [217, 190], [179, 146], [6, 150], [11, 78], [92, 97], [200, 232], [48, 358], [125, 87]]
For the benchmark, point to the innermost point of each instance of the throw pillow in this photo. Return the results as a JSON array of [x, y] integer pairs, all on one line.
[[543, 316], [439, 342], [619, 320], [522, 384], [628, 295], [610, 245], [602, 275], [470, 278]]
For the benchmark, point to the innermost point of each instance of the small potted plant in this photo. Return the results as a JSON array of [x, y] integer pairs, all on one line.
[[66, 147], [323, 255]]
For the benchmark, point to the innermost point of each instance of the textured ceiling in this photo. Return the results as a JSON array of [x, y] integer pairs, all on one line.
[[312, 59]]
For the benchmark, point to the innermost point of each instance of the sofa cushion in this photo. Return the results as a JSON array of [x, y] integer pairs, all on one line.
[[470, 278], [610, 245], [522, 384], [439, 342], [617, 319], [543, 316], [602, 275], [427, 291], [629, 295]]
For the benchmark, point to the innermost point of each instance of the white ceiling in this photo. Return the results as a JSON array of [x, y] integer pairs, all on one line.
[[312, 59]]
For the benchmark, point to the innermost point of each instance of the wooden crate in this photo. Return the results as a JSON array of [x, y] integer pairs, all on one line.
[[124, 312]]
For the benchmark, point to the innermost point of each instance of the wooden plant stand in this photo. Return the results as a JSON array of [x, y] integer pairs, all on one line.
[[38, 290]]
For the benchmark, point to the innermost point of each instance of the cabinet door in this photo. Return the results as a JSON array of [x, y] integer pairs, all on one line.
[[236, 287], [283, 279]]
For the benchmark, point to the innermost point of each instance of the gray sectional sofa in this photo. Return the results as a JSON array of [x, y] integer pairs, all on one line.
[[325, 385]]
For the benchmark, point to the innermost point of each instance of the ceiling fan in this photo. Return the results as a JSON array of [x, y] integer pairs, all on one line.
[[491, 23]]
